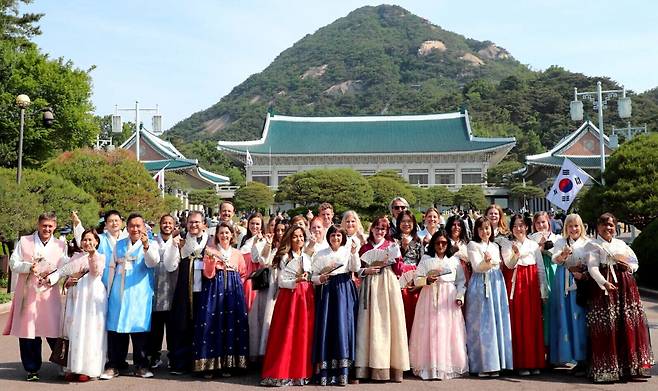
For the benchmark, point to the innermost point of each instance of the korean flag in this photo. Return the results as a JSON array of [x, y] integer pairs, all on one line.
[[568, 183]]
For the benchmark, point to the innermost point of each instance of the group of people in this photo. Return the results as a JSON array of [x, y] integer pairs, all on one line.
[[313, 301]]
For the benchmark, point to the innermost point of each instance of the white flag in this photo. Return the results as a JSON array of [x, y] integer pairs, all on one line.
[[568, 183], [249, 161], [159, 179]]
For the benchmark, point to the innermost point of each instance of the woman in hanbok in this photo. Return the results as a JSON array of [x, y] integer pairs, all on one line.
[[260, 316], [568, 327], [252, 238], [546, 239], [221, 331], [351, 223], [494, 213], [437, 348], [382, 351], [526, 292], [336, 305], [617, 323], [288, 354], [456, 229], [488, 332], [86, 306], [412, 249]]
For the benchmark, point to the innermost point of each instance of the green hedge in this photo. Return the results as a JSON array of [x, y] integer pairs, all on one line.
[[646, 249]]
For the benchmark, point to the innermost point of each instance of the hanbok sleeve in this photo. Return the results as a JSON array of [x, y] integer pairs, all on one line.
[[353, 262], [476, 258], [16, 262], [317, 263], [421, 271], [509, 257], [557, 250], [152, 255], [460, 280], [97, 264], [594, 256], [77, 233], [632, 259]]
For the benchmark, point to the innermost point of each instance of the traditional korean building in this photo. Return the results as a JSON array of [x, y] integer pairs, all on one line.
[[427, 150], [581, 147], [156, 154]]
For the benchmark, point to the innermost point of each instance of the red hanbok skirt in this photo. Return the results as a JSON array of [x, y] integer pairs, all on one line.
[[409, 299], [525, 310], [249, 294], [618, 329], [288, 355]]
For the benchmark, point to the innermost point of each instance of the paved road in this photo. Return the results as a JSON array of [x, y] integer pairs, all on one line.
[[12, 375]]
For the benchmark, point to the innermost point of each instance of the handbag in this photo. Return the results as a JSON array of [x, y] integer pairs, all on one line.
[[260, 279], [60, 353]]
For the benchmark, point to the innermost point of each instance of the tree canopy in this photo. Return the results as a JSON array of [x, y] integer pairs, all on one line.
[[631, 184], [115, 179], [341, 186], [471, 196], [253, 196], [40, 192], [49, 83]]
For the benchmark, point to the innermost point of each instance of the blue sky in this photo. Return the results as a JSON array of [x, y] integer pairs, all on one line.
[[185, 55]]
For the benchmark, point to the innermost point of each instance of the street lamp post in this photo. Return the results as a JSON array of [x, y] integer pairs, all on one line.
[[623, 108], [117, 127], [23, 101]]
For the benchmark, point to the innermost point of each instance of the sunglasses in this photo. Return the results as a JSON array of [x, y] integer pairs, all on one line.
[[399, 207]]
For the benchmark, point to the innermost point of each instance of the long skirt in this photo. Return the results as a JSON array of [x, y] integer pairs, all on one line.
[[288, 354], [525, 308], [260, 317], [334, 346], [84, 325], [249, 293], [437, 348], [221, 332], [550, 268], [488, 331], [382, 350], [618, 330], [409, 299], [568, 327]]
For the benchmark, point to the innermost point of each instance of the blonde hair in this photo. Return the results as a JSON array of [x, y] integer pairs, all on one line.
[[571, 219], [359, 225], [502, 223]]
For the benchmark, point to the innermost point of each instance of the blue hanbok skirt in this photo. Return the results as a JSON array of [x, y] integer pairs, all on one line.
[[221, 331], [334, 340], [488, 330], [568, 328]]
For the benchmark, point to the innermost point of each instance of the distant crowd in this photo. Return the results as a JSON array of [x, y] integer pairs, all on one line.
[[308, 299]]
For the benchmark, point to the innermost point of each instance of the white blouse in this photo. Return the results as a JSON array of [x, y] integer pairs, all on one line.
[[348, 261], [456, 275], [291, 268], [476, 253], [604, 252], [529, 254]]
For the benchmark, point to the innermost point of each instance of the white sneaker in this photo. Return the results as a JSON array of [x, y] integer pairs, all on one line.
[[524, 372], [483, 374], [109, 373], [143, 372]]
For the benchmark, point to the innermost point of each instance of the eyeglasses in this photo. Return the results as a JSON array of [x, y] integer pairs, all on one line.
[[193, 222], [399, 207]]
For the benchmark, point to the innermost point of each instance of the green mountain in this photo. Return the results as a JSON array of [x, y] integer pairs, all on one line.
[[385, 60]]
